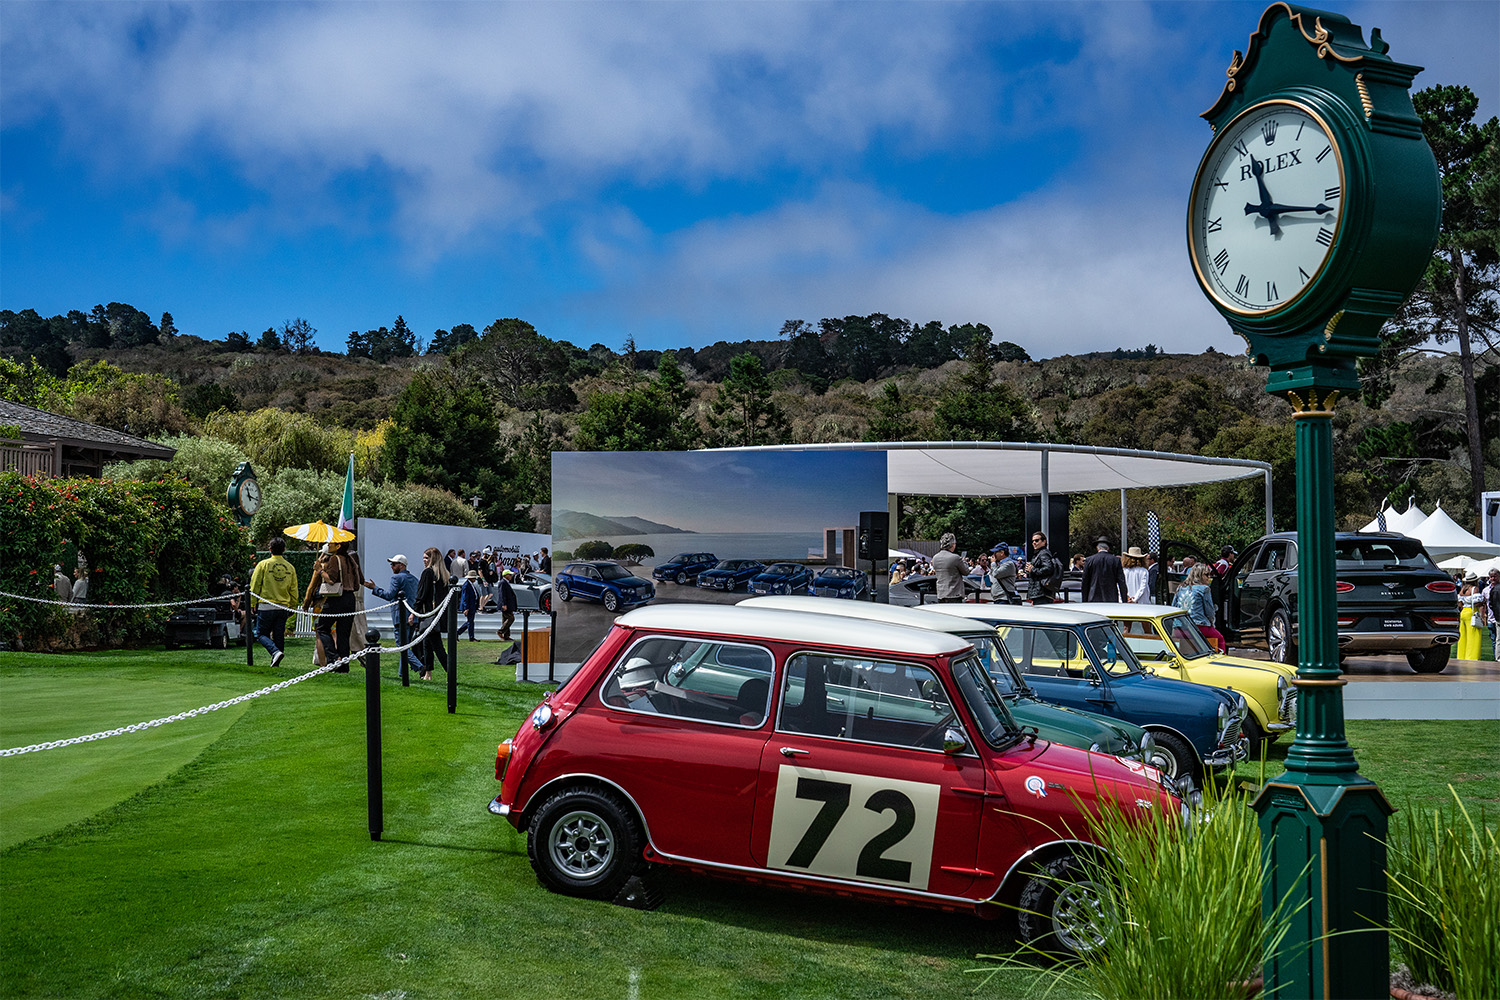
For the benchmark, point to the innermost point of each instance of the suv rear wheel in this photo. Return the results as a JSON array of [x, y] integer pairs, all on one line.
[[1431, 660], [585, 842], [1279, 642]]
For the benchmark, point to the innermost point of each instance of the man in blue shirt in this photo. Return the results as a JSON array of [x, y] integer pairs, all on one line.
[[403, 586]]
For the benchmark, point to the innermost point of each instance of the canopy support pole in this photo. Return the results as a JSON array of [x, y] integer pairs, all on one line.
[[1122, 520], [1270, 514]]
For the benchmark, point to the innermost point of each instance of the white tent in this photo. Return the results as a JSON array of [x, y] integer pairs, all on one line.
[[1479, 567], [1405, 522], [1443, 537]]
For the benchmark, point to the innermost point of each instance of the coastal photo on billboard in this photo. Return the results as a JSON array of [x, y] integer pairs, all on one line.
[[636, 528]]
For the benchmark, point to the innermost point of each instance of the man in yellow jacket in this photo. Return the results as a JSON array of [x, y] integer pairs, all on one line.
[[274, 581]]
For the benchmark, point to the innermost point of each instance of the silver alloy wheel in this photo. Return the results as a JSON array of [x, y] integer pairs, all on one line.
[[682, 578], [1279, 638], [1078, 917], [581, 844], [611, 600]]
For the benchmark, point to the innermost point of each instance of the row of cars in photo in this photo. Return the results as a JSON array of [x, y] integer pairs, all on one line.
[[947, 756], [617, 588]]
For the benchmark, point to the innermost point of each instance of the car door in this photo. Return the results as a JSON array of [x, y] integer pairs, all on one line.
[[854, 784], [1256, 587], [1058, 668], [685, 720]]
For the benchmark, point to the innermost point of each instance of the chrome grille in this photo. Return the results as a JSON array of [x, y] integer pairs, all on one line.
[[1289, 706], [1231, 734]]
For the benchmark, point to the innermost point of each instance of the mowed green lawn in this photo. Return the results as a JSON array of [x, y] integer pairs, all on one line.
[[228, 855]]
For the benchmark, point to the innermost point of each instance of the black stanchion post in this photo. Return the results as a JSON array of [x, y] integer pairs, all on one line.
[[525, 645], [375, 791], [249, 636], [403, 636], [551, 647], [453, 651]]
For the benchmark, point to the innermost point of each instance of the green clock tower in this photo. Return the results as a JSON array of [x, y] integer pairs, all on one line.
[[1312, 217]]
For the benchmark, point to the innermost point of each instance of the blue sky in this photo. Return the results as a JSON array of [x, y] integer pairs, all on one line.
[[723, 491], [678, 173]]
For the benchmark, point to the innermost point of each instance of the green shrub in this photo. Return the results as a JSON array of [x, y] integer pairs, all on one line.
[[596, 549], [145, 542], [1183, 905], [1445, 899]]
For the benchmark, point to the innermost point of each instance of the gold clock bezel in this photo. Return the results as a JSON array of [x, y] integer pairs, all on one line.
[[1208, 155]]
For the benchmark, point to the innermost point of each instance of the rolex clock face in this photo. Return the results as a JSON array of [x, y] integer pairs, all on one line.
[[1266, 208], [249, 496]]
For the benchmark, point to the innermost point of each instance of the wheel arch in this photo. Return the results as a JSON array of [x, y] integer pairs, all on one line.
[[1008, 894], [578, 781]]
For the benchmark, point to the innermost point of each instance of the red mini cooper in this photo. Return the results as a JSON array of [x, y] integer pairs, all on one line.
[[854, 757]]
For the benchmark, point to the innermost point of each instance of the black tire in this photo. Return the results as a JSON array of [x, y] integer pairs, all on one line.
[[1257, 736], [545, 604], [561, 590], [585, 842], [682, 578], [1279, 641], [221, 640], [1061, 911], [1174, 756], [1431, 660], [611, 601]]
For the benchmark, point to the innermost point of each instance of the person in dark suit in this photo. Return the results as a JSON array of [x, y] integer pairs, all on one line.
[[1104, 576]]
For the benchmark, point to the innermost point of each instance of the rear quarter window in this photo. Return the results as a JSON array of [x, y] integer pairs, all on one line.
[[718, 682]]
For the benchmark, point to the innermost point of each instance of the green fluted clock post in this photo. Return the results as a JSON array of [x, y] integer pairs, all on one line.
[[1312, 217]]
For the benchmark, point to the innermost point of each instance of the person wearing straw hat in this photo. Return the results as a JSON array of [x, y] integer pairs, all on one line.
[[1471, 613], [1137, 576]]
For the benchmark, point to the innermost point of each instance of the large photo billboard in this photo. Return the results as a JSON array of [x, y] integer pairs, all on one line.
[[631, 528]]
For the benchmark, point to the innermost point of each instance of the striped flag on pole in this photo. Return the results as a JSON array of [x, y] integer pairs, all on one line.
[[346, 513], [1380, 517], [1153, 532]]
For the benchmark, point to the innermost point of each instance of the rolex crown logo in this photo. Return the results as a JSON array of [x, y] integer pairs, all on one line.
[[1268, 132]]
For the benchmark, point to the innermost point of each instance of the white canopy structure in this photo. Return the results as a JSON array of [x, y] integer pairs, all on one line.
[[1443, 537], [1015, 468], [1403, 523], [1468, 564]]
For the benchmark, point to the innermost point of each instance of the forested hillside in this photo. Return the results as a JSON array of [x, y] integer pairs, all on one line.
[[468, 415]]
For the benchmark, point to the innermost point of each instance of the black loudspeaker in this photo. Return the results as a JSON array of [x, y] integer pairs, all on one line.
[[1057, 538], [874, 525]]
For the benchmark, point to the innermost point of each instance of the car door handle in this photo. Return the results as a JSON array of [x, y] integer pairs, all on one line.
[[793, 751]]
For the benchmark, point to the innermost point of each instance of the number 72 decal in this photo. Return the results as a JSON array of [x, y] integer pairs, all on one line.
[[853, 826]]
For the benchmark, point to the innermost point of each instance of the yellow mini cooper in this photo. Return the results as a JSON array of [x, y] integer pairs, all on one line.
[[1168, 644]]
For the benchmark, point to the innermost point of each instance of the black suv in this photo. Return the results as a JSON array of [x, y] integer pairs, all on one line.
[[1392, 598]]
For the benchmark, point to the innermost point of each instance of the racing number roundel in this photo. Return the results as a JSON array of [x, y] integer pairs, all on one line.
[[855, 826]]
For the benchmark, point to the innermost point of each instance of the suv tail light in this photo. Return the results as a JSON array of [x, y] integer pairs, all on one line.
[[1342, 587], [1347, 622], [1443, 587], [1444, 620]]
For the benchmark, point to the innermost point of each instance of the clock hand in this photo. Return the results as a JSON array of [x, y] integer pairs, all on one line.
[[1266, 207], [1320, 209]]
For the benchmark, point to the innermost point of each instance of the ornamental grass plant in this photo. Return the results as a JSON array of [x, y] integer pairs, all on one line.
[[1444, 869], [1180, 906]]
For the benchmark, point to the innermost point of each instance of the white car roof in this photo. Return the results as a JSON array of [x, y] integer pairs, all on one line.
[[1019, 614], [890, 613], [792, 626], [1132, 610]]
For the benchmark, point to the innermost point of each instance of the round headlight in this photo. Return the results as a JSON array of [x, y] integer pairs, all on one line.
[[1223, 711], [1281, 688], [1244, 705], [1148, 745], [1095, 748]]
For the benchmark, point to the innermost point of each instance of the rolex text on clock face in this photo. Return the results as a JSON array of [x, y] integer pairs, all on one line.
[[1266, 208]]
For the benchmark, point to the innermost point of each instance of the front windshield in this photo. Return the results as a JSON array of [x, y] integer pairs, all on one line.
[[682, 557], [727, 564], [611, 571], [998, 664], [1110, 649], [783, 569], [1186, 637], [841, 573], [984, 702]]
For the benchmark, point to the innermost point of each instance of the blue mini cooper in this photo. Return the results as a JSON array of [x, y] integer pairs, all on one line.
[[608, 583]]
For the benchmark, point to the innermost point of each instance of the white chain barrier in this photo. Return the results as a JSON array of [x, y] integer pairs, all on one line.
[[182, 604], [137, 727]]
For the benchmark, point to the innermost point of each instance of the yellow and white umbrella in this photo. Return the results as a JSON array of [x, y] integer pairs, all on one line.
[[317, 531]]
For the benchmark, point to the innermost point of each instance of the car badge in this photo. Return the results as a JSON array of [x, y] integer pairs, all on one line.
[[1142, 803], [1036, 786]]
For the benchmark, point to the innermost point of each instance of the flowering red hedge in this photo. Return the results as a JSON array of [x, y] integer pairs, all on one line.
[[145, 542]]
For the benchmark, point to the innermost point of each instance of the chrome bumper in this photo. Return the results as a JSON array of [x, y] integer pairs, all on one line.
[[497, 807], [1384, 642], [1233, 754]]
